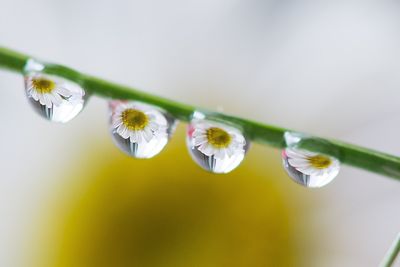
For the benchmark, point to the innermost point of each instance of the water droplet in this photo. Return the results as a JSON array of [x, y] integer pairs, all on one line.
[[308, 168], [54, 98], [216, 147], [139, 129]]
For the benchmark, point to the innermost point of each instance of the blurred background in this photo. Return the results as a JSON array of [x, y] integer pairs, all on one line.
[[68, 197]]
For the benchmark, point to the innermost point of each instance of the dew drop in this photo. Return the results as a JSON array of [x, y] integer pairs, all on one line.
[[138, 129], [308, 168], [214, 146], [52, 97]]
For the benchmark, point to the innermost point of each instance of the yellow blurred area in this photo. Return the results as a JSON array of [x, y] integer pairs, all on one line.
[[167, 212]]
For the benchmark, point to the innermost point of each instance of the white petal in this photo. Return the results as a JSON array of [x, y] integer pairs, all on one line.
[[335, 164], [162, 129], [123, 131], [147, 134], [306, 170], [116, 122], [296, 162], [116, 116], [207, 149], [133, 136], [131, 106], [238, 138], [237, 145], [199, 132], [331, 168], [202, 147], [199, 140], [41, 99], [56, 99], [311, 154], [50, 98], [34, 95], [154, 126], [119, 109], [161, 134], [29, 89], [318, 172], [313, 171], [150, 116], [232, 150], [28, 83], [47, 100], [63, 91], [202, 126], [220, 154], [139, 136], [294, 153]]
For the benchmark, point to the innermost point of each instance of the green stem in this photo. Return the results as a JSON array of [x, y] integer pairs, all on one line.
[[349, 154], [392, 253]]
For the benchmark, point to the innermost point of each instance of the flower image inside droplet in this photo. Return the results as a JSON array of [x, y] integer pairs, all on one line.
[[309, 169], [54, 98], [320, 161], [216, 147], [43, 85], [138, 129], [134, 120], [218, 137]]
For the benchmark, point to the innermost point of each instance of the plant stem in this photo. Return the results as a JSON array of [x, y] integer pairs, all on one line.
[[392, 253], [349, 154]]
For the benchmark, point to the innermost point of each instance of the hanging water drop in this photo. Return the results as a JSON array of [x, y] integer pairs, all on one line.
[[138, 129], [308, 168], [216, 147], [54, 98]]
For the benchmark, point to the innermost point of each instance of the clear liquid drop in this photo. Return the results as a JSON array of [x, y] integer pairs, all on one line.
[[308, 168], [52, 97], [216, 147], [140, 130]]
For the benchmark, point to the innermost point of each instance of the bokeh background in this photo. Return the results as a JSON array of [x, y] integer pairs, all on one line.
[[68, 197]]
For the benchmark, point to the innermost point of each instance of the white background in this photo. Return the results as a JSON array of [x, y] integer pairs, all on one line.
[[326, 67]]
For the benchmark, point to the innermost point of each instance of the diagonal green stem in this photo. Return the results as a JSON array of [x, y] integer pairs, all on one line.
[[392, 253], [349, 154]]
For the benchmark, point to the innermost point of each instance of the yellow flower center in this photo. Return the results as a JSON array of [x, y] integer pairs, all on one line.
[[134, 120], [43, 85], [320, 162], [218, 138]]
